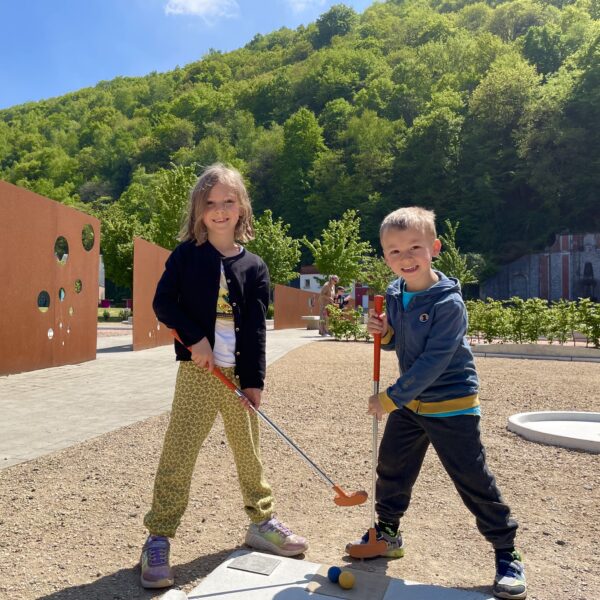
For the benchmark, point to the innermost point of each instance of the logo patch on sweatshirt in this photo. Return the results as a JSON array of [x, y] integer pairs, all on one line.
[[423, 317]]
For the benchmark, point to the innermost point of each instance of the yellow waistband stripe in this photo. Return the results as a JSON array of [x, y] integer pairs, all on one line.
[[432, 408], [389, 334], [386, 402]]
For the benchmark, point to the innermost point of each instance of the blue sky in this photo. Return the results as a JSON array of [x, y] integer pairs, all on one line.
[[52, 47]]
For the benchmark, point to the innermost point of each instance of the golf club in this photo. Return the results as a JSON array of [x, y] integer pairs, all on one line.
[[373, 547], [342, 498]]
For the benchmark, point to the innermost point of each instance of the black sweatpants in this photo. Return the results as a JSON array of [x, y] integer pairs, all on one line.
[[457, 441]]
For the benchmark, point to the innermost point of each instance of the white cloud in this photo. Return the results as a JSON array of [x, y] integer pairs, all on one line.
[[209, 10], [299, 6]]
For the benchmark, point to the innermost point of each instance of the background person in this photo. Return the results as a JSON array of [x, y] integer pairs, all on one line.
[[326, 298]]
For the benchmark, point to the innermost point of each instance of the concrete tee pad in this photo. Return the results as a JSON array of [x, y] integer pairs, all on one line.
[[290, 579]]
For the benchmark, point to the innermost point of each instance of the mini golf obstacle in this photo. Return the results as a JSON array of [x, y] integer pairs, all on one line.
[[248, 575], [577, 430]]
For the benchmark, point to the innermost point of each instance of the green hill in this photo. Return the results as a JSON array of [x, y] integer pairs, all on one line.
[[487, 112]]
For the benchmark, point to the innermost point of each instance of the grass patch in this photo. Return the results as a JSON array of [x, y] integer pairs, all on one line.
[[113, 315]]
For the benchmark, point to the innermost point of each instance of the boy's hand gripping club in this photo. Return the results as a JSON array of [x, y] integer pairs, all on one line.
[[373, 547], [342, 498]]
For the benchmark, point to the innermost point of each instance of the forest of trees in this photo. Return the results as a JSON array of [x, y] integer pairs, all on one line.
[[487, 112]]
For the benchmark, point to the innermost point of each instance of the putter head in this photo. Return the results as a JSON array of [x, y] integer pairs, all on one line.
[[372, 549], [353, 499]]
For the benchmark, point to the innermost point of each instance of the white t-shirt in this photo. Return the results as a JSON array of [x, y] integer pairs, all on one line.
[[224, 349]]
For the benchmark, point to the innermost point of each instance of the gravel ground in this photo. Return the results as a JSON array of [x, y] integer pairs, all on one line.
[[71, 522]]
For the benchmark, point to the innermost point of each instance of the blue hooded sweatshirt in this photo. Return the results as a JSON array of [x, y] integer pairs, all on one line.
[[438, 375]]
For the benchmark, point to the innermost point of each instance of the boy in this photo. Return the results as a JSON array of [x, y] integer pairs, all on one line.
[[435, 399]]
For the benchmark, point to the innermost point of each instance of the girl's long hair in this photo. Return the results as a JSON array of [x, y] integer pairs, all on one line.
[[193, 227]]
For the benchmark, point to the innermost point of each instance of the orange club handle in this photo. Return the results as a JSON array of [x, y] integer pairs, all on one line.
[[378, 305]]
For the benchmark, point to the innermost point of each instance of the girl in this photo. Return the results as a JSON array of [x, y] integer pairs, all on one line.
[[214, 294]]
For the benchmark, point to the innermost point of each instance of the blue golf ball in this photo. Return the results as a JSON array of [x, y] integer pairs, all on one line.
[[334, 574]]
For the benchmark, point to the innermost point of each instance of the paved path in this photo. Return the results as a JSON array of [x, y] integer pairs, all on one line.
[[50, 409]]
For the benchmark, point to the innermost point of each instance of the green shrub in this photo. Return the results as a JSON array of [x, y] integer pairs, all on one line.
[[588, 317], [526, 321], [347, 324], [124, 314]]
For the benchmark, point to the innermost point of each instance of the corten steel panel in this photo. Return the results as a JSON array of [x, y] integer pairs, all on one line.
[[29, 227], [291, 304], [148, 265]]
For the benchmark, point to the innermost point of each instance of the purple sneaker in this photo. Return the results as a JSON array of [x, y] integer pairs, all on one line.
[[154, 563], [273, 536]]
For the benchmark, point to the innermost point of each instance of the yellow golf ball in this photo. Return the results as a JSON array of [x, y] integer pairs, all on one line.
[[346, 580]]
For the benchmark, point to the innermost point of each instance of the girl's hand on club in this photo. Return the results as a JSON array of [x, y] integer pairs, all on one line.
[[375, 409], [253, 395], [202, 355], [377, 323]]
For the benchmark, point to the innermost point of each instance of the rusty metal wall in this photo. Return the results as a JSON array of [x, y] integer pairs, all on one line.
[[291, 304], [64, 333], [148, 265]]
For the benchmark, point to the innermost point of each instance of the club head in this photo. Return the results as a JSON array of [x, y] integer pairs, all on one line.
[[372, 549], [353, 499]]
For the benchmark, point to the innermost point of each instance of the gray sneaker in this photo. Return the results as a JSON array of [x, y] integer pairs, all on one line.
[[154, 563], [273, 536], [510, 576]]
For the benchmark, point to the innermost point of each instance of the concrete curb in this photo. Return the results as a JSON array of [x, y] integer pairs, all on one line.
[[537, 352]]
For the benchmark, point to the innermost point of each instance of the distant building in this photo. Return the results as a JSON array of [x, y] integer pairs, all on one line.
[[568, 269], [310, 279]]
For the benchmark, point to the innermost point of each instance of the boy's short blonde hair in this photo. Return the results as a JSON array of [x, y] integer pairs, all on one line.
[[410, 217], [193, 227]]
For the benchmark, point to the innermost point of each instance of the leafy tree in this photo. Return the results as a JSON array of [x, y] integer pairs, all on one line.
[[543, 47], [118, 231], [280, 251], [427, 159], [302, 144], [263, 161], [338, 20], [376, 274], [171, 134], [334, 119], [496, 205], [171, 192], [340, 250], [450, 261], [332, 189], [513, 19]]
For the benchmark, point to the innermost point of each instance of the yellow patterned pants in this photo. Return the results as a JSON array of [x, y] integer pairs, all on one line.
[[199, 396]]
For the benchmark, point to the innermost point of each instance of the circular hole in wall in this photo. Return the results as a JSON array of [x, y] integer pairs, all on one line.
[[61, 294], [50, 333], [61, 249], [43, 301], [78, 286], [87, 237], [71, 311]]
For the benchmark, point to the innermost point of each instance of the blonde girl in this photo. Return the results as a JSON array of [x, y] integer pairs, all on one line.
[[214, 293]]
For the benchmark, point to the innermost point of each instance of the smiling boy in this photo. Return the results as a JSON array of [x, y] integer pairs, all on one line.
[[435, 400]]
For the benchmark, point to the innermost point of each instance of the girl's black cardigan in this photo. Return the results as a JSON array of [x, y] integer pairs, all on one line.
[[186, 301]]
